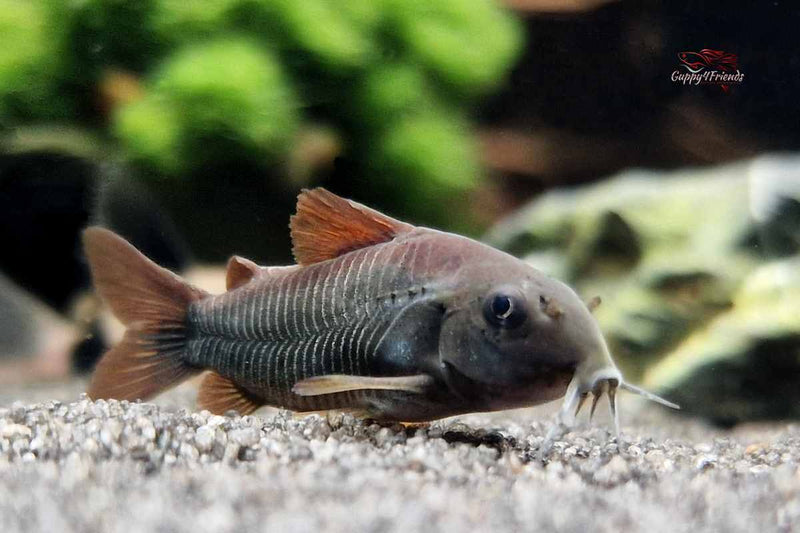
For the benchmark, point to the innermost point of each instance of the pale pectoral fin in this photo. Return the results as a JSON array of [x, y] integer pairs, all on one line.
[[220, 395], [334, 383]]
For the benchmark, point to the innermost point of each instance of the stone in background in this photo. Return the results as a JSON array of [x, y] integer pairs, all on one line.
[[699, 273]]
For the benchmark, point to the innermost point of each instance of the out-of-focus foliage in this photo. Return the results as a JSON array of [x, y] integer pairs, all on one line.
[[463, 42], [176, 22], [181, 84], [433, 155], [210, 101], [27, 66], [337, 38]]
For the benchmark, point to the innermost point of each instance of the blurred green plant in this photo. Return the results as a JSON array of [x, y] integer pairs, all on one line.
[[27, 64], [180, 84], [209, 101]]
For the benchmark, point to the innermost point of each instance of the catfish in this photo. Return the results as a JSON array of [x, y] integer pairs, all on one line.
[[388, 320]]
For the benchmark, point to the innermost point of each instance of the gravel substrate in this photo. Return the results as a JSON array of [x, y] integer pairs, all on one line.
[[118, 466]]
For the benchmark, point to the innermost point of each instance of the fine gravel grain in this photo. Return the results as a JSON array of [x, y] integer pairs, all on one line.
[[118, 466]]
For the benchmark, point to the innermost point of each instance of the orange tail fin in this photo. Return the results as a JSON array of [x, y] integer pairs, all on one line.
[[152, 303]]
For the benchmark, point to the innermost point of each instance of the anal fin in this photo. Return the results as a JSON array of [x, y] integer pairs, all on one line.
[[220, 395], [331, 384]]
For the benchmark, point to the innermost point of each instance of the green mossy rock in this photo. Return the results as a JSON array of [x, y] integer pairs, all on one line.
[[188, 91], [29, 64], [103, 34], [338, 36], [433, 156], [392, 91], [212, 102], [177, 22], [745, 364], [151, 133], [467, 44]]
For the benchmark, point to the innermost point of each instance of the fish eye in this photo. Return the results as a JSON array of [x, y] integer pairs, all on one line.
[[505, 309], [502, 306]]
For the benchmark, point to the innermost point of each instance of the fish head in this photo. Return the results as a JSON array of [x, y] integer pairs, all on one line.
[[518, 337]]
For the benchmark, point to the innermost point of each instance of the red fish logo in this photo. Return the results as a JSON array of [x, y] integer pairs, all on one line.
[[711, 61]]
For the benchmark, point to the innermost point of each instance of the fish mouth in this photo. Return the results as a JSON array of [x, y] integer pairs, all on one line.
[[462, 385], [460, 380], [524, 391]]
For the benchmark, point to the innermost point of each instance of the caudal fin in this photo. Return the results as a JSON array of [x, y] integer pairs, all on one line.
[[152, 303]]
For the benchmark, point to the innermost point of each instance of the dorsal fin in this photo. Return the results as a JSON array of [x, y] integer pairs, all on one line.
[[240, 271], [327, 226]]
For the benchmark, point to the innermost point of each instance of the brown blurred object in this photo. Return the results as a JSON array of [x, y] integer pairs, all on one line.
[[554, 6], [689, 133], [117, 88], [698, 135], [313, 154], [551, 154], [593, 94]]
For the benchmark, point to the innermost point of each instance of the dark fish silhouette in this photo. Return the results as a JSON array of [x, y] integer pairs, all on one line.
[[380, 317]]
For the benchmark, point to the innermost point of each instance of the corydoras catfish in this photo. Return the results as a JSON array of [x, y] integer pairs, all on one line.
[[379, 317]]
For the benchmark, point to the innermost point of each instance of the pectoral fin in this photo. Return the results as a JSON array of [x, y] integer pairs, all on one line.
[[334, 383]]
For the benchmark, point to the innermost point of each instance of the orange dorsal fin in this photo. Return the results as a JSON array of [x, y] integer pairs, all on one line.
[[240, 271], [327, 226], [220, 395]]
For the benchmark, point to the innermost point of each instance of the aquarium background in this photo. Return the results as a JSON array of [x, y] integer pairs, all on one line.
[[555, 131]]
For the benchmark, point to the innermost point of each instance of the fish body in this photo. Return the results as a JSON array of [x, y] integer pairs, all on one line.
[[392, 321], [350, 315]]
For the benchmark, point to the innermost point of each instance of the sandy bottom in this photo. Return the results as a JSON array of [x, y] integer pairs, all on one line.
[[69, 464]]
